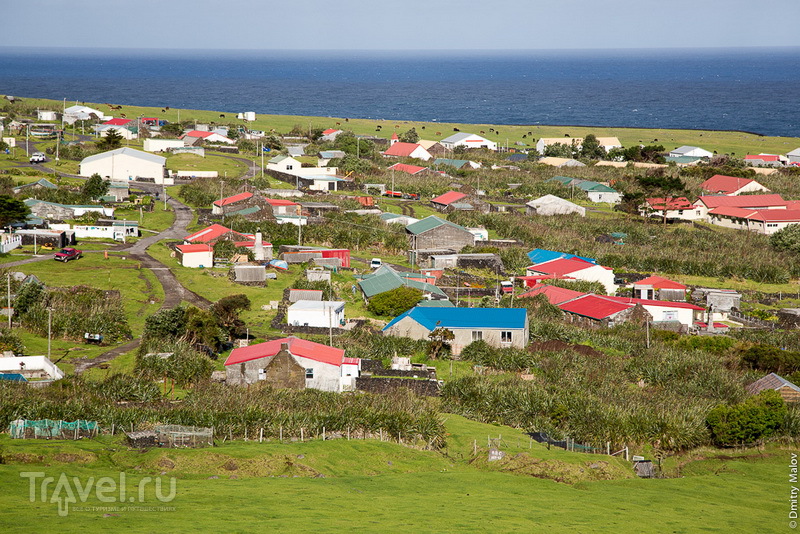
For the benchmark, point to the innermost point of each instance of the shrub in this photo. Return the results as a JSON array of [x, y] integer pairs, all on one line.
[[394, 302], [753, 420]]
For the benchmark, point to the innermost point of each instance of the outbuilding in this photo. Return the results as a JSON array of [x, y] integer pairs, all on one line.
[[320, 313], [125, 164], [197, 256]]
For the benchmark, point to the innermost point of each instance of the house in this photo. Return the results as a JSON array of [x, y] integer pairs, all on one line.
[[553, 205], [396, 218], [218, 205], [216, 232], [283, 164], [281, 206], [162, 145], [293, 363], [541, 255], [596, 191], [115, 229], [731, 185], [296, 295], [766, 221], [31, 367], [793, 157], [555, 295], [407, 150], [560, 162], [117, 192], [81, 113], [435, 233], [606, 142], [499, 327], [46, 115], [675, 208], [658, 287], [41, 183], [325, 156], [196, 256], [385, 279], [125, 164], [457, 163], [124, 132], [719, 302], [595, 310], [330, 134], [413, 170], [316, 313], [690, 151], [442, 202], [704, 204], [192, 136], [434, 148], [788, 391], [53, 210], [765, 160], [680, 313], [576, 269], [467, 140]]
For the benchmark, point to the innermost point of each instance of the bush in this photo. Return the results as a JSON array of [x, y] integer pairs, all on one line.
[[753, 420], [771, 359], [393, 303]]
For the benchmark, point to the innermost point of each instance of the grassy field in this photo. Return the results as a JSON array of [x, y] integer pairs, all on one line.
[[737, 143], [372, 486]]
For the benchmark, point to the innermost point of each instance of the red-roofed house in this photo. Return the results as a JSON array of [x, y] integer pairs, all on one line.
[[330, 134], [677, 208], [731, 185], [555, 295], [208, 137], [707, 203], [656, 286], [765, 160], [598, 309], [281, 206], [442, 202], [577, 269], [197, 256], [216, 232], [407, 150], [664, 311], [217, 207], [410, 169], [294, 363], [117, 122], [763, 221]]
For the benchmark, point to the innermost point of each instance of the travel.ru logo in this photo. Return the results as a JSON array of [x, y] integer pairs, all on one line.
[[65, 491]]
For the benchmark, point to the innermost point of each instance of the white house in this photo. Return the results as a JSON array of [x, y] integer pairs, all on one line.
[[208, 137], [576, 269], [692, 151], [161, 145], [322, 313], [196, 256], [330, 134], [31, 367], [125, 164], [793, 156], [720, 184], [467, 140], [81, 113], [104, 129], [46, 115], [606, 142], [407, 150], [285, 164]]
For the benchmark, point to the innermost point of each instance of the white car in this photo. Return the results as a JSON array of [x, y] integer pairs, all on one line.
[[375, 263], [38, 157]]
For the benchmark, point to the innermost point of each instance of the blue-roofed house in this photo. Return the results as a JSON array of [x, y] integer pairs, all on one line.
[[499, 327], [540, 255]]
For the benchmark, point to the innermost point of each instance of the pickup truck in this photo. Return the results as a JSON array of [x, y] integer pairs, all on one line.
[[66, 254]]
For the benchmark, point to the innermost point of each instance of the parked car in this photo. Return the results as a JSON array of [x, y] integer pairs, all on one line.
[[507, 286], [66, 254], [375, 263], [38, 157]]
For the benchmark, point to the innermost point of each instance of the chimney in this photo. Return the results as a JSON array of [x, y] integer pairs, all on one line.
[[258, 249]]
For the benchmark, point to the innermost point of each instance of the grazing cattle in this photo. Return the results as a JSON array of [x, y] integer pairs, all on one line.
[[123, 115], [378, 129], [423, 127], [530, 133], [167, 108], [163, 111], [482, 132], [346, 119], [221, 115], [338, 124], [438, 133], [524, 136], [456, 130], [491, 129]]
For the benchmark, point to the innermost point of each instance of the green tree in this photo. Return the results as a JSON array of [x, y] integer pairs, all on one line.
[[755, 419], [667, 187], [394, 302], [165, 324], [787, 239], [27, 297], [224, 249], [350, 144], [12, 210], [95, 187], [591, 148], [440, 339], [559, 150], [352, 164], [227, 309], [410, 136], [112, 140]]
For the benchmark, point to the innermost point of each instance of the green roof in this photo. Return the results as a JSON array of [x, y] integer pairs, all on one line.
[[585, 185], [429, 223], [246, 211], [457, 163], [386, 279], [682, 159]]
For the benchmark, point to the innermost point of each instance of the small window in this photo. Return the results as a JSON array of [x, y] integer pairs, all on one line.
[[505, 336], [477, 335], [262, 374], [309, 373], [288, 167]]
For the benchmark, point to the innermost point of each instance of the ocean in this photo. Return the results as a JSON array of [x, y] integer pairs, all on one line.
[[754, 90]]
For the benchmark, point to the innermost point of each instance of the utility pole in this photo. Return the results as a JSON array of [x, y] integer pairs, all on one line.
[[49, 329], [262, 159], [300, 230], [8, 293]]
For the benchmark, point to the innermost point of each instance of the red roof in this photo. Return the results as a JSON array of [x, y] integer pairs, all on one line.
[[741, 213], [298, 347], [680, 203], [776, 215], [448, 198], [402, 150], [233, 199], [649, 302], [351, 361], [562, 266], [763, 157], [188, 249], [659, 282], [594, 307], [727, 185], [742, 201], [280, 202], [410, 169], [555, 295], [330, 131], [198, 133], [212, 233], [117, 122], [394, 136]]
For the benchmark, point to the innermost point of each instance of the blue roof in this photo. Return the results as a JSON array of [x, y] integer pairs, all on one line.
[[432, 318], [540, 255], [12, 377]]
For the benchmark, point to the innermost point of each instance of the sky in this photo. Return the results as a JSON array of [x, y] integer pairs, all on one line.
[[401, 25]]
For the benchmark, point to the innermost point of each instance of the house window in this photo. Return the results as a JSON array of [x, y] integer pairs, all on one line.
[[505, 336], [288, 167], [670, 316], [309, 373], [477, 335], [262, 374], [680, 212]]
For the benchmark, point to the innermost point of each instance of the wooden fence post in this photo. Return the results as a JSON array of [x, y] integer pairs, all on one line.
[[261, 435]]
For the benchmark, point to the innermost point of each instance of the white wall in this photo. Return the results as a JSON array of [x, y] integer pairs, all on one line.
[[121, 167], [329, 317], [327, 377], [198, 259], [32, 363], [161, 145]]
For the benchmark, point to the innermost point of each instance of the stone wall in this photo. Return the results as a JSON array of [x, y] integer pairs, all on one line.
[[427, 388]]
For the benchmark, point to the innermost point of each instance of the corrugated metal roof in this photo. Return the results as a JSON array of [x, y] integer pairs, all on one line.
[[454, 318], [541, 255], [305, 294], [429, 223], [594, 307], [448, 198], [297, 346], [385, 279], [126, 151], [771, 381], [435, 304]]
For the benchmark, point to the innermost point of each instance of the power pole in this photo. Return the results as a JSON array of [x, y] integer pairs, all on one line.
[[8, 288]]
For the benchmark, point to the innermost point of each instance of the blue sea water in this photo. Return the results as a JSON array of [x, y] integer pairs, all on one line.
[[756, 90]]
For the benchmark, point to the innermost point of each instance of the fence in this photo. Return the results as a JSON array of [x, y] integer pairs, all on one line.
[[49, 429], [174, 436], [567, 444]]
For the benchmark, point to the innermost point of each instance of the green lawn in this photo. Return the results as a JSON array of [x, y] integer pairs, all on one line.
[[226, 167], [372, 486]]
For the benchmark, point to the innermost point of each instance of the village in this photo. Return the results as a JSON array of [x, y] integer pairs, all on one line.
[[202, 260]]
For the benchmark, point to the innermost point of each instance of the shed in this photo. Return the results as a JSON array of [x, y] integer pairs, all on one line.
[[788, 391], [249, 274], [296, 295], [196, 256], [322, 313]]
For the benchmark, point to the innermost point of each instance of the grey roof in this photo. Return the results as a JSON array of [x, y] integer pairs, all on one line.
[[317, 305], [126, 151], [795, 152], [457, 137], [305, 294], [385, 279], [685, 149], [771, 381]]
